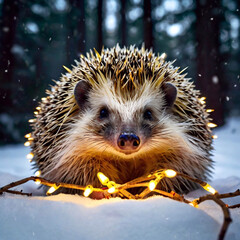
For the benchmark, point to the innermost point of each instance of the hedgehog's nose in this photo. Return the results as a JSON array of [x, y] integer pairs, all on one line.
[[128, 141]]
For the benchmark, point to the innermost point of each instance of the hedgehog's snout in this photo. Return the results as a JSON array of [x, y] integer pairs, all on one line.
[[128, 142]]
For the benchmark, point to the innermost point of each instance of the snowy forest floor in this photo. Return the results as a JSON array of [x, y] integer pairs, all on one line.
[[75, 217]]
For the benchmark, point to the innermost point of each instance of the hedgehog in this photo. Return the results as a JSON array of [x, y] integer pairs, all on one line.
[[126, 112]]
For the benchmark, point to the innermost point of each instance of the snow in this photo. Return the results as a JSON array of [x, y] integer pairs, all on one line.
[[13, 160], [227, 150], [75, 217]]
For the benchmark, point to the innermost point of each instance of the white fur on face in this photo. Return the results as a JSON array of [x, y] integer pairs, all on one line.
[[126, 108]]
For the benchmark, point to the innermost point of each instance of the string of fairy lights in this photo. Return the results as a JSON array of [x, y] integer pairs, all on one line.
[[120, 190]]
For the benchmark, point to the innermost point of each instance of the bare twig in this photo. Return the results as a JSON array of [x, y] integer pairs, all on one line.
[[14, 184], [226, 214], [19, 193], [172, 195], [44, 182], [191, 178], [234, 206], [229, 195]]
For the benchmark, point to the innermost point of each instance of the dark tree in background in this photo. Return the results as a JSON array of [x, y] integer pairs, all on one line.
[[148, 26], [76, 30], [100, 25], [8, 23], [123, 23], [210, 76], [10, 10]]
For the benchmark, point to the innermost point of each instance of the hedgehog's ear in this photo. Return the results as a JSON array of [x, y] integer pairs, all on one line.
[[170, 92], [81, 92]]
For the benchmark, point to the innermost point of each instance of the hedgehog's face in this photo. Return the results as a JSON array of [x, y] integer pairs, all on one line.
[[124, 126]]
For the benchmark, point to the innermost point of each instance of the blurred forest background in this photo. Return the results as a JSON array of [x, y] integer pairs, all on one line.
[[37, 37]]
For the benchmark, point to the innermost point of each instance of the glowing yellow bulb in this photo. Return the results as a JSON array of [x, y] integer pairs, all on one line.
[[27, 144], [30, 156], [30, 139], [202, 100], [194, 204], [152, 185], [88, 191], [163, 55], [111, 190], [43, 99], [214, 136], [38, 182], [208, 188], [28, 135], [38, 173], [102, 178], [212, 125], [111, 187], [52, 189], [35, 112], [210, 110], [32, 120], [38, 108], [170, 173]]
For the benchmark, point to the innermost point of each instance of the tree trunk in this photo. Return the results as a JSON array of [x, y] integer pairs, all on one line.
[[81, 27], [148, 26], [8, 25], [210, 77], [123, 23], [76, 34], [100, 25]]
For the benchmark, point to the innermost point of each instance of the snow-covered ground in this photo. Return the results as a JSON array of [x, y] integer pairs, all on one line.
[[75, 217]]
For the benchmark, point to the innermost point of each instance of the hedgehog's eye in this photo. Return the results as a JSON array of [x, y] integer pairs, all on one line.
[[147, 115], [104, 113]]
